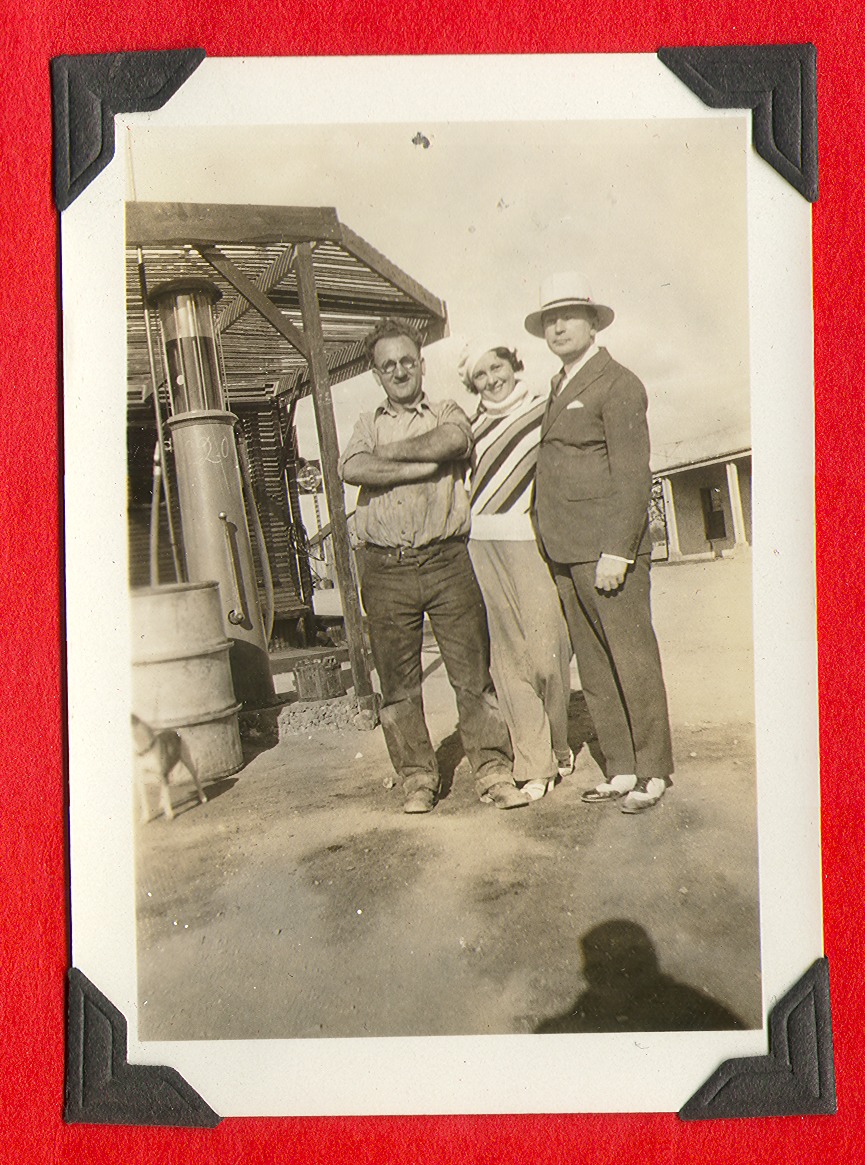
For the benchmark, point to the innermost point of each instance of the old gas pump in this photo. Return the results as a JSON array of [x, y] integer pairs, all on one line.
[[216, 539]]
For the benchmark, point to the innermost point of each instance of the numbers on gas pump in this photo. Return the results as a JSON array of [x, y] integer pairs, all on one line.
[[214, 454]]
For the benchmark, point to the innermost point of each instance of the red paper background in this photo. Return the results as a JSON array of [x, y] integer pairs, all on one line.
[[33, 873]]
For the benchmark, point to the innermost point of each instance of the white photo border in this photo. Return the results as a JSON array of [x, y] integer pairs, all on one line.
[[483, 1074]]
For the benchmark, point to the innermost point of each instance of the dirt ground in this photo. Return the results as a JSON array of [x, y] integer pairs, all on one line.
[[300, 901]]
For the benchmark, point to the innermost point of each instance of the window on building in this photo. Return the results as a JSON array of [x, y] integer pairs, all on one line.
[[713, 513]]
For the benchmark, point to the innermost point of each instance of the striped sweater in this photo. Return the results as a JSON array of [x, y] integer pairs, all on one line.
[[503, 470]]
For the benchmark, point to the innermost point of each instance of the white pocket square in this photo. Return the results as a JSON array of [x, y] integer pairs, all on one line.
[[575, 404]]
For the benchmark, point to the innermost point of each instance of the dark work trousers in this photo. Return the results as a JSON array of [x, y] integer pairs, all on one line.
[[620, 667], [398, 587]]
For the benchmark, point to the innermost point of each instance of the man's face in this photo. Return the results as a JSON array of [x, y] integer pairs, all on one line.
[[398, 368], [569, 331]]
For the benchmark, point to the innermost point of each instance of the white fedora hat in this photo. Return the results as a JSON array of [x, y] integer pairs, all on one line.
[[566, 289]]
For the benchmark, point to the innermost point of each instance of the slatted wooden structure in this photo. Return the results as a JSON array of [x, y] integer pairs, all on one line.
[[300, 291]]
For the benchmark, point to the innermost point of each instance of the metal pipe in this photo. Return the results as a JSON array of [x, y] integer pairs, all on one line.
[[237, 615], [166, 489], [252, 511], [154, 517]]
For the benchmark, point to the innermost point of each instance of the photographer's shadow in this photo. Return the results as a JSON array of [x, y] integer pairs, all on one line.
[[627, 991]]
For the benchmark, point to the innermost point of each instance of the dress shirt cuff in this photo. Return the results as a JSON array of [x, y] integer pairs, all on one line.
[[617, 558]]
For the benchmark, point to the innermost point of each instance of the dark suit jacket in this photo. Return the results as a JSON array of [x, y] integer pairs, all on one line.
[[593, 482]]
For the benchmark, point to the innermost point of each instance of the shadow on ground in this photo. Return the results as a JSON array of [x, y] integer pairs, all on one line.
[[581, 734], [626, 990]]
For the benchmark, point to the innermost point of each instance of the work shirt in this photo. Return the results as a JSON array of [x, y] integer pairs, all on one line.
[[417, 513]]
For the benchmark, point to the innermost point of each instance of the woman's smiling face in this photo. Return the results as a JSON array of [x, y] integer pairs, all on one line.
[[493, 377]]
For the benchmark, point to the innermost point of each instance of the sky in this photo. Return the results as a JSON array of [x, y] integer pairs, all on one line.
[[652, 212]]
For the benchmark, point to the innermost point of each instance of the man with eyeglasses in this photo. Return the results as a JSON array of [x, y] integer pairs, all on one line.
[[412, 522]]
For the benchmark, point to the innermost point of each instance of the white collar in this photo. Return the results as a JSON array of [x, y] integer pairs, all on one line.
[[571, 370]]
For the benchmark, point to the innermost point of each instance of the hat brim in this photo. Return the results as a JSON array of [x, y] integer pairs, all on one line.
[[534, 322]]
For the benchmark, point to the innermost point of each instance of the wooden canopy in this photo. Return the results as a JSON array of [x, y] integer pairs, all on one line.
[[250, 253], [300, 290]]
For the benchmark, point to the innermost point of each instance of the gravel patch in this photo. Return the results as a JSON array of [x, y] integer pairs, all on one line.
[[338, 715]]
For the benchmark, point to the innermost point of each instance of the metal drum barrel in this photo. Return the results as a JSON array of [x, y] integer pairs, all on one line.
[[181, 676]]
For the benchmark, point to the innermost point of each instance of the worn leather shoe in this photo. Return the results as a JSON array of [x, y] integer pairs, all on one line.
[[504, 795], [420, 801]]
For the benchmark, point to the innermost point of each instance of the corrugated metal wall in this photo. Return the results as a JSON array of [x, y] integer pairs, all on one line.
[[279, 518]]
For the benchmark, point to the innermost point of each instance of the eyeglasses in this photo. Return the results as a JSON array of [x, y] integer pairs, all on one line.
[[408, 364]]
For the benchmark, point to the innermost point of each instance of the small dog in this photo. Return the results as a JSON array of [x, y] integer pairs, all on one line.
[[157, 754]]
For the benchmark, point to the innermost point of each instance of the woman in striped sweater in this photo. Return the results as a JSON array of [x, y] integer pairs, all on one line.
[[529, 644]]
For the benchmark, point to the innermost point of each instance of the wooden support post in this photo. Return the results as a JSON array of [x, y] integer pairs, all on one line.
[[739, 536], [329, 448], [674, 550]]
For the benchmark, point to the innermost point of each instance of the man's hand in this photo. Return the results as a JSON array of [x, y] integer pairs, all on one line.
[[610, 573]]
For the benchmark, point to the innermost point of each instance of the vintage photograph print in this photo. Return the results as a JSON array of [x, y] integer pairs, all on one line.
[[456, 453]]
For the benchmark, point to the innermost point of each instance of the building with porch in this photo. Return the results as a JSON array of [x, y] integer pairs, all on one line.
[[702, 498]]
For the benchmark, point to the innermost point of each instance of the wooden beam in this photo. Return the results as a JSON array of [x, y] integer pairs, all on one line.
[[347, 303], [172, 224], [329, 451], [273, 275], [338, 373], [378, 262], [256, 297]]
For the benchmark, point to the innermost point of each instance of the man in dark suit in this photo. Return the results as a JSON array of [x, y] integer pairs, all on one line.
[[592, 492]]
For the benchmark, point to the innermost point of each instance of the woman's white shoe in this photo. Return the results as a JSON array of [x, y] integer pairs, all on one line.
[[534, 790], [566, 766]]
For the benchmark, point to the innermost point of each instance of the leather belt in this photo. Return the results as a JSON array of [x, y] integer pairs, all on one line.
[[414, 553]]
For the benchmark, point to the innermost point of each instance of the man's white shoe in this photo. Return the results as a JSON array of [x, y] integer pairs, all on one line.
[[638, 800], [610, 790]]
